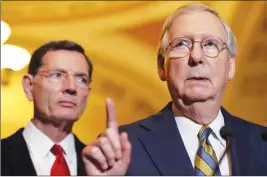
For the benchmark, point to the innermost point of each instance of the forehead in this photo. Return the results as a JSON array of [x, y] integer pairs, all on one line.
[[66, 60], [197, 25]]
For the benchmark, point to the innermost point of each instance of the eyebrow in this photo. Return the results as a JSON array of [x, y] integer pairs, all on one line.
[[75, 73], [202, 36]]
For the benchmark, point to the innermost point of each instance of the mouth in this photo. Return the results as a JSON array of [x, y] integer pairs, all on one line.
[[199, 79], [68, 104]]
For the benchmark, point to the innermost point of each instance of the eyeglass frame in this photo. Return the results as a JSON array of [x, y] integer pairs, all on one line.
[[194, 41], [49, 73]]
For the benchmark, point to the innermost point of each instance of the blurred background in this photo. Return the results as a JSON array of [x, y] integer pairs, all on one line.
[[121, 39]]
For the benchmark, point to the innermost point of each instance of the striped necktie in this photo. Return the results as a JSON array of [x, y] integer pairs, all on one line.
[[206, 161]]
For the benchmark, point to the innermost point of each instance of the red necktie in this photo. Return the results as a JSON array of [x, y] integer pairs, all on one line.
[[60, 167]]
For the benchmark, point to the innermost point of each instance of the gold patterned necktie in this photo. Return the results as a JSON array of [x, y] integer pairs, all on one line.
[[206, 163]]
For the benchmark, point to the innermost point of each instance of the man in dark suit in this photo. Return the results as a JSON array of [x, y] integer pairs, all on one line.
[[58, 83], [196, 58]]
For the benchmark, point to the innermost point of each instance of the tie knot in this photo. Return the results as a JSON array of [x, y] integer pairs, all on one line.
[[57, 150], [204, 133]]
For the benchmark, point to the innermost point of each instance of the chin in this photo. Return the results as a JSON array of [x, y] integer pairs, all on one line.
[[67, 116], [193, 96]]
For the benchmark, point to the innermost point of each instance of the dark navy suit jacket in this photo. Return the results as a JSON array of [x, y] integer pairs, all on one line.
[[158, 149], [16, 160]]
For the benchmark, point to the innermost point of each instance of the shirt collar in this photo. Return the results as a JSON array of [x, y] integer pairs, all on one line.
[[216, 126], [68, 144], [40, 145], [190, 129]]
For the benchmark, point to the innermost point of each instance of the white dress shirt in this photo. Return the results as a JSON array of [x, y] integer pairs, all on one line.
[[189, 131], [39, 146]]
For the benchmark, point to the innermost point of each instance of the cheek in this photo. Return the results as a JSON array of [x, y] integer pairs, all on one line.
[[41, 99], [176, 71], [221, 71], [84, 99], [46, 98]]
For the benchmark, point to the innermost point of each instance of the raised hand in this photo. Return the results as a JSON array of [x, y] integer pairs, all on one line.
[[110, 153]]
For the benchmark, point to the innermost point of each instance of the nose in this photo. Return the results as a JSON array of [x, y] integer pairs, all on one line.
[[69, 85], [196, 56]]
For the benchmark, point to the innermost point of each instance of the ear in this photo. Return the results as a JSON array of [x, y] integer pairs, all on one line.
[[161, 69], [27, 83], [231, 73]]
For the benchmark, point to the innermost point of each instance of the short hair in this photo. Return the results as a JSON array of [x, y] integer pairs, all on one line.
[[37, 57], [194, 7]]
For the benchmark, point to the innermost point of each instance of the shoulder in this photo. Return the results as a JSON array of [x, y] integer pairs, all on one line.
[[135, 127], [242, 126], [138, 128], [13, 139]]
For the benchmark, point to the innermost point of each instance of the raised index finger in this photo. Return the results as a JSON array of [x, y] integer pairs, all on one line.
[[111, 114], [112, 131]]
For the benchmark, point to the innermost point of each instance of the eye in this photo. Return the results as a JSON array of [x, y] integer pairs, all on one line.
[[55, 74], [182, 43], [210, 44], [83, 79]]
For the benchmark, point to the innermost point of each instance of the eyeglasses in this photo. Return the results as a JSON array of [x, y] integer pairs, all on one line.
[[181, 47], [59, 76]]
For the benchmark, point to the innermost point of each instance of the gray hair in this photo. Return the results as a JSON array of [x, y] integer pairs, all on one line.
[[195, 7]]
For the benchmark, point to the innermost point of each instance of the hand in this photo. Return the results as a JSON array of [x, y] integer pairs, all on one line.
[[110, 153]]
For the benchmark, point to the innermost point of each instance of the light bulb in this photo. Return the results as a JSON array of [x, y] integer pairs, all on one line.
[[5, 31], [14, 57]]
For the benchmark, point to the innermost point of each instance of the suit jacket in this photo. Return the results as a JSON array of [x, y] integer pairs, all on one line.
[[16, 160], [158, 149]]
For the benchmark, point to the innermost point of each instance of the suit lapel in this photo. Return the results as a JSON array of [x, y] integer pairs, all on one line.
[[165, 146], [241, 157], [19, 156], [80, 165], [235, 162]]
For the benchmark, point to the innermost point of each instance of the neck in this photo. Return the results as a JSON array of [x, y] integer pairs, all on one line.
[[56, 131], [200, 112]]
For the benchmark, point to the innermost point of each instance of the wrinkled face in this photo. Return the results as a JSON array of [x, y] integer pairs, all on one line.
[[196, 77], [64, 100]]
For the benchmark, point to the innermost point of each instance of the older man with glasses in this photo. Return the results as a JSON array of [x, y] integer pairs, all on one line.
[[192, 135], [58, 83]]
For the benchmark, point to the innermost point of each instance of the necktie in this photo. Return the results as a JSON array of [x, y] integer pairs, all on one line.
[[60, 167], [206, 163]]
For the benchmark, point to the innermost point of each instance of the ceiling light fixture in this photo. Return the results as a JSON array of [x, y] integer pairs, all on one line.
[[5, 31]]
